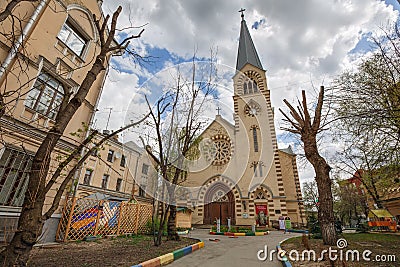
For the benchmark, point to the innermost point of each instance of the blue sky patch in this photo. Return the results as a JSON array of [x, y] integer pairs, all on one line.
[[257, 24]]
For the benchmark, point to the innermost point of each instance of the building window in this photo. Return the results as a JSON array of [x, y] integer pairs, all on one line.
[[110, 156], [142, 191], [119, 184], [250, 87], [104, 181], [14, 176], [255, 141], [277, 211], [88, 177], [46, 96], [123, 159], [72, 38], [145, 168], [260, 168]]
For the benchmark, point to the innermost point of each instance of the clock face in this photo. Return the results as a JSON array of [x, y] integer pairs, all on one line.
[[252, 109]]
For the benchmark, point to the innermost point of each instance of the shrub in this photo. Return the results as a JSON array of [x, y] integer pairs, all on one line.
[[362, 227], [150, 228]]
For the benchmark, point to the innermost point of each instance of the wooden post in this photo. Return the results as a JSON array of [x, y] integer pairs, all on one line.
[[99, 211], [61, 219], [137, 217], [70, 218], [120, 217]]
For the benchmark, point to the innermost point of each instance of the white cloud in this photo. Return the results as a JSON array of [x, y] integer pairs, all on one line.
[[301, 43]]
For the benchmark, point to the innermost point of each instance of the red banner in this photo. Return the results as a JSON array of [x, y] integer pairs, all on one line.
[[261, 215]]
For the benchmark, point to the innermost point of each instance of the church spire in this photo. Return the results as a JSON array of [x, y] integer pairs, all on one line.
[[247, 52]]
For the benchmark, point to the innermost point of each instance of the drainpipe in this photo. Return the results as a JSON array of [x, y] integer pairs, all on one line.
[[25, 33]]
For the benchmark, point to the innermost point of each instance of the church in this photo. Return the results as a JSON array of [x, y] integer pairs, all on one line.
[[248, 178]]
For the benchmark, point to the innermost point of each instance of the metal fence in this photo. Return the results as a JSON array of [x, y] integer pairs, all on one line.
[[84, 217]]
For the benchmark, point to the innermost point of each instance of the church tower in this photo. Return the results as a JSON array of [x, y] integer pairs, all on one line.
[[254, 121], [245, 176]]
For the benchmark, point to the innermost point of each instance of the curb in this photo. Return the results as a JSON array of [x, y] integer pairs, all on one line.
[[170, 257], [297, 231], [239, 234], [285, 261]]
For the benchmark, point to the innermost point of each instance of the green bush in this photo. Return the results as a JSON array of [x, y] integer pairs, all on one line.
[[150, 228], [313, 227], [362, 228]]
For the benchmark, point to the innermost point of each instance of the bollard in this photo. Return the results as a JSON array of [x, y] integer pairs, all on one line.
[[218, 225], [229, 224]]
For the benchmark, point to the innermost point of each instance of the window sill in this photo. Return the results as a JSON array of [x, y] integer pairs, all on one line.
[[35, 116], [69, 53]]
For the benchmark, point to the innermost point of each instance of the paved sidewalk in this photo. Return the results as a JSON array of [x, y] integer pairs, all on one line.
[[241, 251]]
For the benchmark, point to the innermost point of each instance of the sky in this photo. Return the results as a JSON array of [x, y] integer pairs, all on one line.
[[301, 44]]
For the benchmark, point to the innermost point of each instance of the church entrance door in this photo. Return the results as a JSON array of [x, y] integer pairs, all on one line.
[[222, 206]]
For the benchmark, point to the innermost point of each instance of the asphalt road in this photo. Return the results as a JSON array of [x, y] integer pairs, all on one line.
[[241, 251]]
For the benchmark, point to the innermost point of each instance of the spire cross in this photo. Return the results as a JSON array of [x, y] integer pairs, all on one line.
[[218, 110], [242, 11]]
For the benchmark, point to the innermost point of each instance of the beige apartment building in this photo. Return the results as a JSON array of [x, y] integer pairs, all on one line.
[[243, 175], [118, 172], [54, 47]]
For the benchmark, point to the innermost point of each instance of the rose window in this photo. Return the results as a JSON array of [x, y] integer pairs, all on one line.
[[218, 150]]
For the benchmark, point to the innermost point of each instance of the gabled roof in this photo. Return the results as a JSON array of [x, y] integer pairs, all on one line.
[[247, 52], [288, 150]]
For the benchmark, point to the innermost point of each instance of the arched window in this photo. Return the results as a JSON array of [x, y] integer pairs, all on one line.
[[255, 87], [250, 86], [255, 141], [245, 88]]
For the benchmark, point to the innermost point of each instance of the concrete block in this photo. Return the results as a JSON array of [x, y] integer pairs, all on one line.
[[178, 254], [195, 247], [201, 244], [240, 234], [151, 263], [166, 259]]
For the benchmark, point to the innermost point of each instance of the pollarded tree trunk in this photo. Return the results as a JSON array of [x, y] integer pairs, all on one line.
[[322, 169], [302, 124]]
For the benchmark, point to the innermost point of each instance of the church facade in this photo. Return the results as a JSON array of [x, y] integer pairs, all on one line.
[[247, 178]]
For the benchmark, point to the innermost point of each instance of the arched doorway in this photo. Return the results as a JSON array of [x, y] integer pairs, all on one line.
[[221, 204]]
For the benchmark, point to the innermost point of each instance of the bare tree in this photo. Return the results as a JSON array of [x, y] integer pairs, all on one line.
[[10, 6], [31, 218], [301, 123], [176, 120]]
